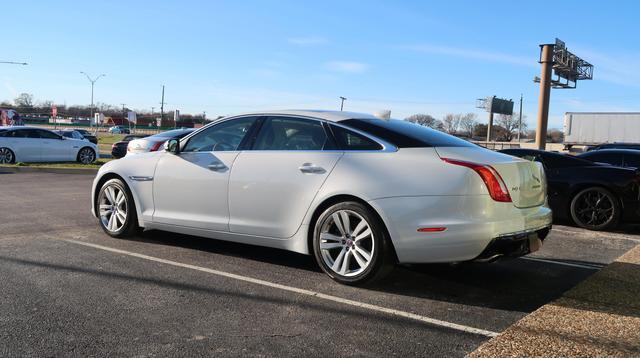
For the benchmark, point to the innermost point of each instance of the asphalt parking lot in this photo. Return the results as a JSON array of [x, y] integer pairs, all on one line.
[[69, 289]]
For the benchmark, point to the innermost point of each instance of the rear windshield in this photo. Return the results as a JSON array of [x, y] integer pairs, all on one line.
[[405, 134], [179, 133]]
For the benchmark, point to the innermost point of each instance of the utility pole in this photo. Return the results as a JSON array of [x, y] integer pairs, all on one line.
[[93, 82], [489, 126], [342, 99], [124, 116], [162, 107], [152, 108], [204, 117], [546, 59], [520, 120]]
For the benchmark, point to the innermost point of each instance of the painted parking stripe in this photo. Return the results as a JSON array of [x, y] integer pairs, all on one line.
[[432, 321], [589, 267]]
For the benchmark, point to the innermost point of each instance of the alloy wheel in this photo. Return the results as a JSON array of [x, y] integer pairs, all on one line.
[[112, 208], [594, 208], [6, 156], [87, 156], [346, 243]]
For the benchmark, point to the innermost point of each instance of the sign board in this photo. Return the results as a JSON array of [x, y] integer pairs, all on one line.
[[131, 117], [176, 116], [494, 104], [98, 118], [54, 111]]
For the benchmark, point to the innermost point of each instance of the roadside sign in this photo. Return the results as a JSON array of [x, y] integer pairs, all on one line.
[[54, 111]]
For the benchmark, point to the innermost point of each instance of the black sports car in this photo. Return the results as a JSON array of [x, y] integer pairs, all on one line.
[[619, 157], [595, 196], [119, 149], [88, 135]]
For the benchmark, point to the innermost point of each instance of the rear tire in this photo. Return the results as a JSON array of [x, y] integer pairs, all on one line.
[[351, 244], [595, 208], [116, 209], [7, 156], [86, 155]]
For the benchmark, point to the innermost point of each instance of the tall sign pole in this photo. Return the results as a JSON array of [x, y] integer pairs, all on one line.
[[520, 119], [546, 59], [489, 126]]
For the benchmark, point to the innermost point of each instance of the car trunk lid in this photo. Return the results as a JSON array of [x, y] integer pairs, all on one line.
[[523, 179]]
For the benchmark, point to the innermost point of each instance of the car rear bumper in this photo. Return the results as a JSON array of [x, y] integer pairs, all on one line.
[[471, 225], [514, 245]]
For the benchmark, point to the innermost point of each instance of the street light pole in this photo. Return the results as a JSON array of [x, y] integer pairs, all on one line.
[[93, 82], [342, 102], [520, 119]]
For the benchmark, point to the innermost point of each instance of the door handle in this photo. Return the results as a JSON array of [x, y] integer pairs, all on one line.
[[217, 167], [309, 168]]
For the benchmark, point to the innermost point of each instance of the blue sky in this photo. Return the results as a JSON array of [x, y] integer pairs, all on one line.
[[410, 57]]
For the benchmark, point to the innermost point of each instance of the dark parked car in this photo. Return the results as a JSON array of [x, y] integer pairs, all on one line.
[[594, 196], [70, 133], [88, 135], [635, 146], [119, 149], [629, 158]]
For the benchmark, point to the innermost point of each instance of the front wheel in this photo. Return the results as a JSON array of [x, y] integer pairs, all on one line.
[[595, 208], [351, 244], [86, 155], [116, 209]]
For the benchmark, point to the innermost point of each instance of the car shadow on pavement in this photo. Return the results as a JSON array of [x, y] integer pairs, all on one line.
[[513, 285]]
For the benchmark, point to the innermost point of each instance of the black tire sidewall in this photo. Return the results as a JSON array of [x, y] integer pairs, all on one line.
[[616, 209], [131, 220], [380, 237]]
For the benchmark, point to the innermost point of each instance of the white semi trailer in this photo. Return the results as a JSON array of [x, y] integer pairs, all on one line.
[[590, 128]]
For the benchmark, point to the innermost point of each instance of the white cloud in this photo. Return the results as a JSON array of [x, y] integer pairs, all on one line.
[[308, 41], [347, 66], [482, 55]]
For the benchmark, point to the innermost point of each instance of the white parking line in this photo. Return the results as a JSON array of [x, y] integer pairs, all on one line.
[[301, 291], [590, 267]]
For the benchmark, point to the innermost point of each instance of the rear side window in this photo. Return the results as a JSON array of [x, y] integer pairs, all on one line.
[[405, 134], [47, 135], [285, 133], [632, 160], [349, 140]]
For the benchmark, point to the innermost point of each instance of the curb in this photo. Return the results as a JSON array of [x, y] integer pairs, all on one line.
[[53, 170], [598, 317]]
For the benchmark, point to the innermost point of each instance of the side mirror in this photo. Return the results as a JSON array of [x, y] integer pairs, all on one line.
[[172, 146]]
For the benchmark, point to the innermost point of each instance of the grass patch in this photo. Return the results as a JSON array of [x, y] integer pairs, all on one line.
[[109, 139]]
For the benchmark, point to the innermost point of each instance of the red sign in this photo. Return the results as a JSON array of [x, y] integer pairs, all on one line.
[[54, 111]]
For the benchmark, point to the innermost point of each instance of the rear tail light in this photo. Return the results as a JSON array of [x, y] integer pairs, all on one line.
[[492, 179], [156, 146]]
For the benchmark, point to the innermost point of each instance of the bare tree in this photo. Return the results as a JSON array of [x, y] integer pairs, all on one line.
[[425, 120], [510, 124], [24, 100], [468, 124], [451, 123]]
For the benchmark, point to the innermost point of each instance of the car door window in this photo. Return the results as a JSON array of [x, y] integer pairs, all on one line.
[[46, 134], [225, 136], [631, 160], [287, 133], [350, 140]]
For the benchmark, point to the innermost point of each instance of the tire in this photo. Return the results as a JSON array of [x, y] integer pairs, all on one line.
[[595, 208], [7, 156], [351, 256], [110, 207], [86, 155]]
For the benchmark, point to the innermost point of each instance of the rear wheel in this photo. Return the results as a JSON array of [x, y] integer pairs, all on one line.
[[351, 244], [116, 209], [6, 156], [86, 155], [595, 208]]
